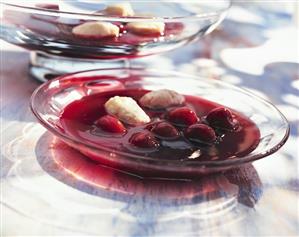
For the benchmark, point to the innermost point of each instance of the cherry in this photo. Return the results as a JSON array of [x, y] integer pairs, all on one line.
[[221, 118], [183, 116], [121, 27], [164, 129], [144, 140], [111, 124], [200, 133]]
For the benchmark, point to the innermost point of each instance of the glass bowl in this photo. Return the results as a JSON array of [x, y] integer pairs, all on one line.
[[47, 30], [50, 99]]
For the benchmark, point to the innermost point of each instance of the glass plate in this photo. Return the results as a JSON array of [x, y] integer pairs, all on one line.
[[50, 99]]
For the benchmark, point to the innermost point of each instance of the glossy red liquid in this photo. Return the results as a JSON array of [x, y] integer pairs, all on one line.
[[78, 120]]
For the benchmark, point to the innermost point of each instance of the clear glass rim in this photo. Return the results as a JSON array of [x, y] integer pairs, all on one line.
[[189, 163], [89, 16]]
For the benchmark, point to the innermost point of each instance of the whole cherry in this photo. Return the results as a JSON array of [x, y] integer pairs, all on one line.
[[200, 133], [144, 140], [182, 116], [110, 124], [221, 118], [164, 130]]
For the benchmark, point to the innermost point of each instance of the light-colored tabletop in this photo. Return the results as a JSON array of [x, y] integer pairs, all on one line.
[[44, 195]]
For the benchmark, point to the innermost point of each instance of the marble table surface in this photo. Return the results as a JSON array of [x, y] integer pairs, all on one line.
[[41, 195]]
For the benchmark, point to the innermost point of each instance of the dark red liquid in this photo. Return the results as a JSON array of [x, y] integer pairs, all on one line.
[[78, 120]]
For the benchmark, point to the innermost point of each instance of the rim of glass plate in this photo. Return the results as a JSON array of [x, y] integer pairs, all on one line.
[[206, 164], [89, 16]]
